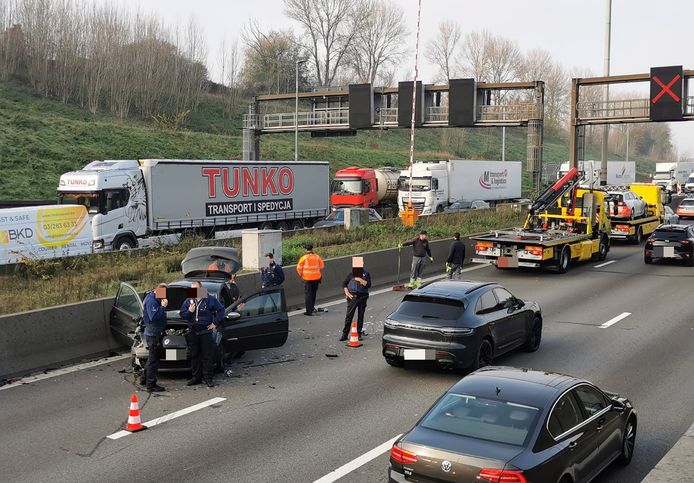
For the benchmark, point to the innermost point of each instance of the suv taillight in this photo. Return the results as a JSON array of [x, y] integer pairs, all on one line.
[[402, 456], [501, 476]]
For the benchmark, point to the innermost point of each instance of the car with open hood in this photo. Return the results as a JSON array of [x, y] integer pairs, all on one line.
[[255, 321]]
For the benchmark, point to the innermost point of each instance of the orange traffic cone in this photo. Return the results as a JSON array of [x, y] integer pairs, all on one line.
[[134, 423], [354, 336]]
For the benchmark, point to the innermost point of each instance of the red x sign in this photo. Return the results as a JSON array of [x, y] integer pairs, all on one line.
[[666, 88]]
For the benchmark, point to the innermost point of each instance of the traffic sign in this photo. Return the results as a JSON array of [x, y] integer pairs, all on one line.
[[667, 93]]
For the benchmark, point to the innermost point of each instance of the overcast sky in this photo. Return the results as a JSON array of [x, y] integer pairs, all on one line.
[[645, 33]]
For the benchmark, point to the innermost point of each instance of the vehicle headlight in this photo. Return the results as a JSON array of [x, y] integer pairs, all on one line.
[[98, 244]]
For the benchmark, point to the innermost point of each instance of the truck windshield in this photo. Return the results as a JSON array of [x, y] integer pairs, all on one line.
[[347, 186], [662, 176], [418, 184], [91, 199]]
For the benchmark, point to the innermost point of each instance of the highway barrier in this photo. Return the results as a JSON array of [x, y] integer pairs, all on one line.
[[677, 463], [48, 338]]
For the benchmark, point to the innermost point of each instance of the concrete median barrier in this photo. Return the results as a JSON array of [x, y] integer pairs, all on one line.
[[676, 465], [46, 338]]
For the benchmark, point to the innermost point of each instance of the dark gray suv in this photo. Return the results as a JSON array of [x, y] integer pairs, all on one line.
[[460, 324]]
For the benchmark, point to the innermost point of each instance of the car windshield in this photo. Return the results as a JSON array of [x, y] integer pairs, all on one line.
[[337, 215], [418, 184], [429, 310], [486, 419], [90, 199], [690, 179], [347, 186], [670, 234]]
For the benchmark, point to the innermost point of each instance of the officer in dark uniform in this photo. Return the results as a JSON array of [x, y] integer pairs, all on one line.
[[155, 304], [204, 314], [356, 287]]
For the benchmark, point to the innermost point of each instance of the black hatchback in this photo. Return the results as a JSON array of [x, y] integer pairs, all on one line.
[[673, 242], [460, 324]]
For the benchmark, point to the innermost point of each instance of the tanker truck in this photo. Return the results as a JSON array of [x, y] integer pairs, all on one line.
[[367, 188]]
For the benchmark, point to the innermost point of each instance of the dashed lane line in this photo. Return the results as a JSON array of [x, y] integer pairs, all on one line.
[[358, 462], [169, 417], [605, 264], [614, 320]]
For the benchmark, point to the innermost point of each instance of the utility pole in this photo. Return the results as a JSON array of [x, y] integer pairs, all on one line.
[[606, 95], [296, 111]]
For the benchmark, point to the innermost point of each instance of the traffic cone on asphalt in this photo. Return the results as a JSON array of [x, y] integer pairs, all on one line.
[[134, 423], [354, 336]]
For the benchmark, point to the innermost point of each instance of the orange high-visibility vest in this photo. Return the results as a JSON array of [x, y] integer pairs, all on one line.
[[309, 267]]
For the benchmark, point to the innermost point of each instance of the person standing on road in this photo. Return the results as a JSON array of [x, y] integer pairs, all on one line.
[[456, 257], [420, 249], [154, 319], [272, 275], [356, 287], [204, 314], [309, 269]]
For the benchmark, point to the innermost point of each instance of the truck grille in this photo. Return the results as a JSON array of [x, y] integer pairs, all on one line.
[[418, 205]]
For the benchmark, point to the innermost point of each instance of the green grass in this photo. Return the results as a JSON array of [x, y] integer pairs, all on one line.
[[41, 139], [46, 283]]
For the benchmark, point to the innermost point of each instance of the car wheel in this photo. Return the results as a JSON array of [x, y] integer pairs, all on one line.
[[628, 442], [564, 260], [566, 479], [395, 361], [485, 354], [535, 336]]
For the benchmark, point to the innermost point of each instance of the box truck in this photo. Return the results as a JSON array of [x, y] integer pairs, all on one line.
[[366, 188], [618, 172], [437, 184], [38, 232], [672, 176], [131, 201]]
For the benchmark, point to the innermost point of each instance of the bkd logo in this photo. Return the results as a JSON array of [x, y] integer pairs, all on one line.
[[6, 236]]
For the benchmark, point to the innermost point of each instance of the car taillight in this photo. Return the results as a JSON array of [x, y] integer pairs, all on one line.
[[685, 242], [402, 456], [501, 476]]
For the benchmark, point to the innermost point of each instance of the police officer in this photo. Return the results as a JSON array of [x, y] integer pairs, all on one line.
[[204, 314], [309, 269], [155, 304], [272, 275], [456, 257], [420, 249], [356, 287]]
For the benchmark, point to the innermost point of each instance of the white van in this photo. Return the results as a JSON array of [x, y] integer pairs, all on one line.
[[689, 185], [38, 232]]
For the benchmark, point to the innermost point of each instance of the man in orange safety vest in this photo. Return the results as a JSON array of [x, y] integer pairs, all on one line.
[[309, 268]]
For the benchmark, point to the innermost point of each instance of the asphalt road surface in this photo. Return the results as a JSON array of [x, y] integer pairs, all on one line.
[[294, 414]]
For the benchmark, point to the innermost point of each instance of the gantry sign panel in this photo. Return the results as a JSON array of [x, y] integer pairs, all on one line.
[[667, 101]]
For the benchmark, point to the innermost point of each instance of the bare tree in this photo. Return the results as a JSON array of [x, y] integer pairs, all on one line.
[[330, 27], [503, 57], [230, 70], [441, 51], [379, 43], [473, 57], [538, 64]]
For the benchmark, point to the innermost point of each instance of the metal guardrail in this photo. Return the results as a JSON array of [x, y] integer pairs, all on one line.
[[387, 116], [436, 115], [621, 108], [510, 112], [313, 119]]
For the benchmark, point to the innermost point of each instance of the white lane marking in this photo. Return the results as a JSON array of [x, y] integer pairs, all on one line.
[[169, 417], [605, 264], [386, 290], [613, 321], [356, 463], [63, 371]]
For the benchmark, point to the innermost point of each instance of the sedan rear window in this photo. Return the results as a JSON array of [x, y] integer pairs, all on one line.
[[687, 202], [670, 234], [491, 420], [426, 308]]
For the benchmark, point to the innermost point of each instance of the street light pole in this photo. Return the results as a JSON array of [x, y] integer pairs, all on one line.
[[606, 95], [296, 112]]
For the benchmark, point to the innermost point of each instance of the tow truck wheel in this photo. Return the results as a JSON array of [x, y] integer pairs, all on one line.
[[564, 260], [639, 235], [603, 248]]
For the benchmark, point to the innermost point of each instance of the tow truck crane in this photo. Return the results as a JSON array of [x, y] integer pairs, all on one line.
[[565, 223]]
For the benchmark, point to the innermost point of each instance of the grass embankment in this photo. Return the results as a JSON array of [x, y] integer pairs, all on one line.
[[53, 282], [40, 139]]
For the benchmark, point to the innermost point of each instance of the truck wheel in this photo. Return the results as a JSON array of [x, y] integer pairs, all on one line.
[[439, 209], [602, 250], [124, 243], [266, 225], [564, 260], [283, 226], [297, 224], [639, 236]]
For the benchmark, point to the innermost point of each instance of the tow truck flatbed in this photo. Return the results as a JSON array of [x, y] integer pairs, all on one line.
[[633, 230]]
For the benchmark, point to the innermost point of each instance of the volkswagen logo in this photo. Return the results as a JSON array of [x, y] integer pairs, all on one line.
[[446, 466]]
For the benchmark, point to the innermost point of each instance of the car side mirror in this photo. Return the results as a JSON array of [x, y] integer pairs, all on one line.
[[232, 316], [618, 405], [520, 304]]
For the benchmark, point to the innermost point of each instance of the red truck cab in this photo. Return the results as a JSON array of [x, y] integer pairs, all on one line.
[[354, 186]]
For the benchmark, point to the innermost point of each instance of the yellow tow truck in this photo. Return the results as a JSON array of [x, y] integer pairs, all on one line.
[[635, 230], [565, 224]]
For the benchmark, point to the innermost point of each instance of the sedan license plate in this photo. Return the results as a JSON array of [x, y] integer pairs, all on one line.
[[418, 355], [664, 252], [175, 355]]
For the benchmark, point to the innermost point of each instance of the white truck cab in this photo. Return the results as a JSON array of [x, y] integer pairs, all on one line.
[[429, 187], [115, 196], [689, 185]]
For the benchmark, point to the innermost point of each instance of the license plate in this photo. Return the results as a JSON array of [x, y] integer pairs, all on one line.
[[418, 355], [664, 252], [175, 355]]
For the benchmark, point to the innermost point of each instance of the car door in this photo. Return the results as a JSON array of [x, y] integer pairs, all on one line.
[[606, 423], [516, 323], [126, 314], [495, 318], [263, 321], [575, 444]]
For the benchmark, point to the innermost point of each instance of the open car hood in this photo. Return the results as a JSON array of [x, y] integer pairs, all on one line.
[[211, 262]]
